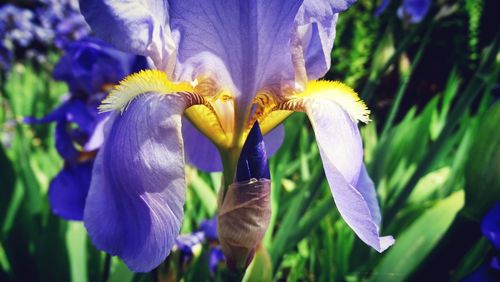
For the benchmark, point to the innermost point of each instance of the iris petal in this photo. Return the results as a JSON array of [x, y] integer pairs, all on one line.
[[341, 151], [314, 36], [366, 188], [138, 27], [135, 203], [245, 44], [68, 190]]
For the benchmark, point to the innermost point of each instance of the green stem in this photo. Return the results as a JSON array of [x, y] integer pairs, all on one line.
[[106, 268], [229, 161]]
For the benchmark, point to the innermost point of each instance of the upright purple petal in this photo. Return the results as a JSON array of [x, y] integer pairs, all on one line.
[[341, 151], [314, 36], [68, 190], [135, 204], [245, 45], [138, 27]]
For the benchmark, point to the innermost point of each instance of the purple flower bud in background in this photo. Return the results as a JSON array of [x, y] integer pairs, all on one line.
[[189, 244], [245, 213], [209, 228], [412, 10], [186, 244]]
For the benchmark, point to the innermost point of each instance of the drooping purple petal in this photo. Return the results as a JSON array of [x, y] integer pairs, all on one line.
[[199, 150], [138, 27], [314, 36], [68, 190], [135, 204], [366, 188], [341, 151], [490, 226], [274, 139], [64, 143], [202, 153]]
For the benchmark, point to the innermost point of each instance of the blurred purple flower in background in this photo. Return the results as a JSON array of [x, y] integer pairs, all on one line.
[[90, 68], [31, 31], [413, 11], [16, 26], [207, 233], [490, 270]]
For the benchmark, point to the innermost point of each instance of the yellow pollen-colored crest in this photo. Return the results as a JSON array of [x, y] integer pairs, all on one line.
[[139, 83], [341, 94]]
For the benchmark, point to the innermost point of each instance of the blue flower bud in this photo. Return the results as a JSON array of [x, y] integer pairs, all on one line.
[[245, 213]]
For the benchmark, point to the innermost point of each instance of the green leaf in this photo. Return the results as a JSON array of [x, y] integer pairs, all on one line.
[[417, 241], [75, 242]]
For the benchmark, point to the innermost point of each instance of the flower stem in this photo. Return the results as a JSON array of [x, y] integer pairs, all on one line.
[[229, 161]]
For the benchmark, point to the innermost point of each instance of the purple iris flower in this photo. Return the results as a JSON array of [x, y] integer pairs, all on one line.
[[207, 232], [223, 65], [412, 10], [490, 226], [89, 67]]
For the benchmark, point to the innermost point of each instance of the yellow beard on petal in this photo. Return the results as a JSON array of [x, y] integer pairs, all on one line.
[[271, 111], [341, 94], [139, 83]]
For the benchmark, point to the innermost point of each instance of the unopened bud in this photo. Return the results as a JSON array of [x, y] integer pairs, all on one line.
[[243, 220], [245, 211]]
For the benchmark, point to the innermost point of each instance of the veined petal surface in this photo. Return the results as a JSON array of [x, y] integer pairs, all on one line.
[[341, 151], [314, 36], [136, 26], [366, 188], [244, 44], [135, 203]]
